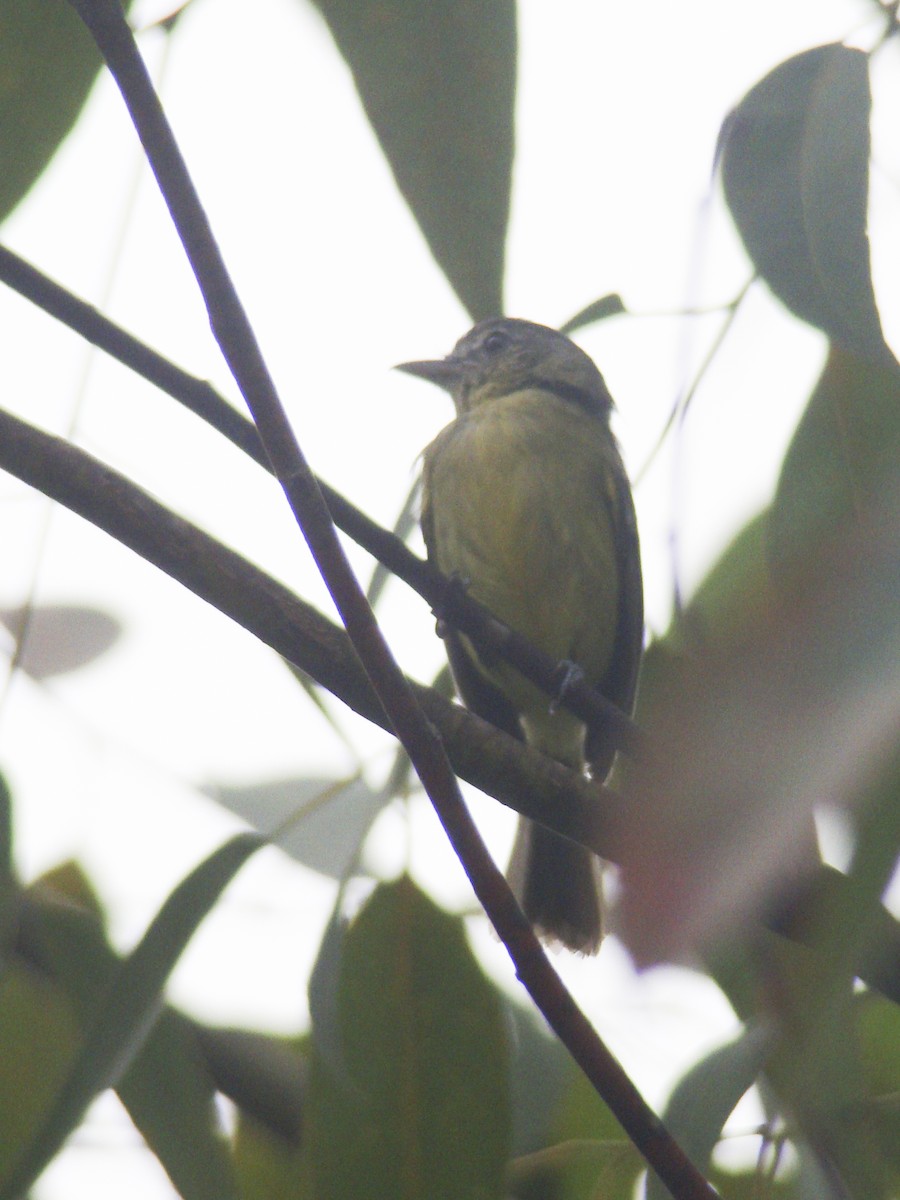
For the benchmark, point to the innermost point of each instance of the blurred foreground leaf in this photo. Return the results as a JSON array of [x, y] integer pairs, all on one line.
[[749, 734]]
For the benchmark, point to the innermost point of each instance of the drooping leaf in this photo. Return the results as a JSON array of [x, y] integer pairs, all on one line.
[[416, 1103], [438, 82], [48, 63], [795, 162]]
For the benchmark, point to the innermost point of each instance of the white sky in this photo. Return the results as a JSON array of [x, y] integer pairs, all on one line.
[[619, 110]]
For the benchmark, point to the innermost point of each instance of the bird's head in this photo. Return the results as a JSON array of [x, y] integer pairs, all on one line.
[[505, 355]]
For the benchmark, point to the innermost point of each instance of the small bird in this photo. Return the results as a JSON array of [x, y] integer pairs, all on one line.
[[526, 501]]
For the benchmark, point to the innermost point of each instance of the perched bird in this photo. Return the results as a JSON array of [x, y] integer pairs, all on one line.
[[526, 501]]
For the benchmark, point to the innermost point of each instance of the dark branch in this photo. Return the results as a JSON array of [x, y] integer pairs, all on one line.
[[496, 764], [455, 606]]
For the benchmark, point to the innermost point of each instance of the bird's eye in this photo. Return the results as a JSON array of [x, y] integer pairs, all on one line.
[[495, 342]]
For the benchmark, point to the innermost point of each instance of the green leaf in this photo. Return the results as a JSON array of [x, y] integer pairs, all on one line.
[[795, 162], [48, 63], [844, 454], [706, 1097], [438, 82], [413, 1103], [127, 1009]]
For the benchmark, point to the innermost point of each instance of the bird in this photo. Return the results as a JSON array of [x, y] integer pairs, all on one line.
[[526, 502]]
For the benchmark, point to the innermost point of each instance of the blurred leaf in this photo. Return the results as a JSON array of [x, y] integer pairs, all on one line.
[[167, 1091], [598, 310], [59, 637], [845, 451], [39, 1037], [438, 84], [737, 589], [706, 1097], [6, 830], [48, 63], [269, 1165], [879, 1026], [577, 1168], [416, 1105], [326, 819], [127, 1009], [170, 1097], [748, 736], [580, 1119], [325, 983], [264, 1075], [795, 163], [754, 1185], [541, 1074]]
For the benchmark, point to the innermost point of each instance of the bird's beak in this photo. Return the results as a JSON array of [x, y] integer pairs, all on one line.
[[445, 372]]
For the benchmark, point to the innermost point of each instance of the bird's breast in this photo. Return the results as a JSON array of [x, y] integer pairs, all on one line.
[[518, 503]]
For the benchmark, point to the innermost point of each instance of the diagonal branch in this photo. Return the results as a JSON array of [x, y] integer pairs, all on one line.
[[234, 334], [199, 397], [490, 760]]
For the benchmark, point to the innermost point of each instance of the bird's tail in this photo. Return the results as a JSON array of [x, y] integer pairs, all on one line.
[[557, 884]]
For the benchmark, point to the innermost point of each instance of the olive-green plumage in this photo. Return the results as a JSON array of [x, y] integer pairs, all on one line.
[[526, 500]]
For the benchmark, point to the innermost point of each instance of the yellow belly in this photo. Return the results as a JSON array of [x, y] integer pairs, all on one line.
[[520, 496]]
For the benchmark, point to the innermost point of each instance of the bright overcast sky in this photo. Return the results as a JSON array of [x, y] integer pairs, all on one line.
[[619, 110]]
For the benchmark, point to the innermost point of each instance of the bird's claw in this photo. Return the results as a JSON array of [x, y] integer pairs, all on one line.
[[457, 585], [570, 674]]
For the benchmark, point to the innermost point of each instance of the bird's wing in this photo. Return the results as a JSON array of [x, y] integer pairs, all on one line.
[[620, 680]]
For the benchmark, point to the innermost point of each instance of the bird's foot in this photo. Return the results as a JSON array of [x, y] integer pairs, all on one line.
[[570, 674], [457, 585]]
